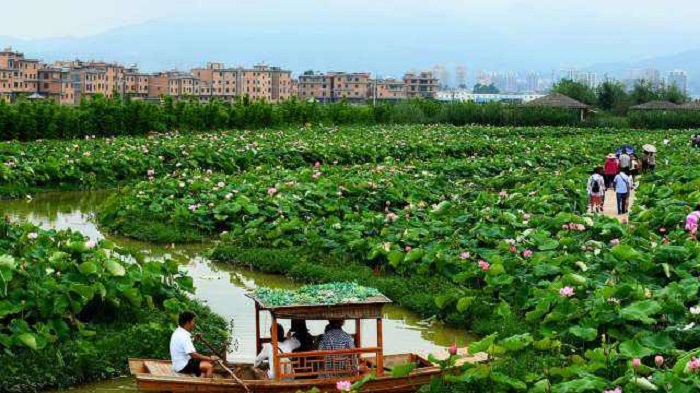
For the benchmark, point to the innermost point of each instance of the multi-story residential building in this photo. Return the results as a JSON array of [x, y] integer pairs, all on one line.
[[261, 82], [182, 84], [157, 85], [678, 78], [282, 85], [57, 84], [315, 86], [422, 84], [389, 89], [18, 75], [135, 83], [350, 87]]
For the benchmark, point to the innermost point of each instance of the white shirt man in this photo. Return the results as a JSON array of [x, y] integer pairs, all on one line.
[[183, 355], [181, 347]]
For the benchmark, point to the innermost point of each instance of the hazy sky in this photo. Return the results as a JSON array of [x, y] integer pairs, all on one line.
[[364, 34], [574, 19]]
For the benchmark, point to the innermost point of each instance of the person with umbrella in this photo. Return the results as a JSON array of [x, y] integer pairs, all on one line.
[[650, 156]]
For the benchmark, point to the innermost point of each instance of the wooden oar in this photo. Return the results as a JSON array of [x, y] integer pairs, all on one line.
[[223, 365]]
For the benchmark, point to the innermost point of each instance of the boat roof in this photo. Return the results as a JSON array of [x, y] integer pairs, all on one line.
[[331, 301]]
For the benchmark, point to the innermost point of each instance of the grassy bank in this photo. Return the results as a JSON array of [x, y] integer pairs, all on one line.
[[102, 353], [72, 310]]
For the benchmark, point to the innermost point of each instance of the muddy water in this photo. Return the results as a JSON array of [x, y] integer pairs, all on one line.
[[221, 286]]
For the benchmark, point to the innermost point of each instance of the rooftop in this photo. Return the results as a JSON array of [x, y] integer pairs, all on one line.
[[656, 105], [557, 100], [327, 301]]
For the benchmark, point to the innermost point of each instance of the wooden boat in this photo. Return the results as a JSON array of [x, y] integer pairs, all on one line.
[[301, 371]]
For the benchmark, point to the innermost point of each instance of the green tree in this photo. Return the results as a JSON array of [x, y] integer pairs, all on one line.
[[674, 94], [643, 92], [485, 89], [576, 90], [612, 96]]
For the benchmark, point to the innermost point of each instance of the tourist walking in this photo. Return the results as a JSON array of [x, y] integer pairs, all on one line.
[[611, 167], [652, 162], [625, 161], [622, 191], [596, 190]]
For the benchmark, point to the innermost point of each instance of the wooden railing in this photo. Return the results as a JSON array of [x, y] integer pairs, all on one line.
[[327, 364]]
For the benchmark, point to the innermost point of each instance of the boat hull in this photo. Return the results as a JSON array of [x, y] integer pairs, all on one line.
[[148, 382]]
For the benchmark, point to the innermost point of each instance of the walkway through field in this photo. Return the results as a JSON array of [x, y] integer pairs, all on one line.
[[610, 204]]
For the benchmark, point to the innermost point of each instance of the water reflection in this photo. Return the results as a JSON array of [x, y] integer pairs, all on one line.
[[222, 286]]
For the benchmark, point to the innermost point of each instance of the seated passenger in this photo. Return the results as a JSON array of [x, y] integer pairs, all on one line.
[[284, 345], [301, 333], [333, 339]]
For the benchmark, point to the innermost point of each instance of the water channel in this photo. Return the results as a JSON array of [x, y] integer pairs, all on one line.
[[221, 286]]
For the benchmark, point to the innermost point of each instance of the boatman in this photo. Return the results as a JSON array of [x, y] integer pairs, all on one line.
[[184, 356]]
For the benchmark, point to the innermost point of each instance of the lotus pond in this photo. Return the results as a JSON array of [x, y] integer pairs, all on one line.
[[219, 285], [483, 227]]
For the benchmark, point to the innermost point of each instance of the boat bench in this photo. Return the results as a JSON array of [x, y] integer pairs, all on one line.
[[161, 369]]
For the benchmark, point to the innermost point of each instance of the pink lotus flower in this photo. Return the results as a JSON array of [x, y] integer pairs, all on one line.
[[193, 207], [150, 172], [526, 217], [513, 249], [565, 227], [616, 390], [485, 266], [464, 255], [343, 386], [90, 244], [614, 242], [32, 236], [694, 364], [220, 184], [391, 217], [317, 164], [271, 191], [566, 292], [527, 253], [636, 362], [662, 230], [659, 360], [452, 349], [503, 194], [408, 248]]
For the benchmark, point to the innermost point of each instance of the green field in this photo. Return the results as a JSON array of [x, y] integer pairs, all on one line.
[[484, 227]]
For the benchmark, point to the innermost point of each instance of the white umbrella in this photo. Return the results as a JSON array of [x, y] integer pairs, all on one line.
[[649, 148]]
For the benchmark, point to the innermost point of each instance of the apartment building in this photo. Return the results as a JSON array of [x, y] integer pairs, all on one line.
[[315, 87], [389, 89], [135, 84], [18, 75], [56, 84], [261, 82], [350, 87], [422, 84], [334, 86]]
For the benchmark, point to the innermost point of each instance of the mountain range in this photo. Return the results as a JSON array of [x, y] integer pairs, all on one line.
[[333, 45]]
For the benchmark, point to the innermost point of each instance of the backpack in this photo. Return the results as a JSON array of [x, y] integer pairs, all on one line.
[[595, 188]]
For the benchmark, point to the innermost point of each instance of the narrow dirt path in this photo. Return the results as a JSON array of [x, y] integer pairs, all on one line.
[[610, 203]]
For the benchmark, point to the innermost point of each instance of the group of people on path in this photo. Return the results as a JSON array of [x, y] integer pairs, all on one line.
[[618, 173], [186, 359]]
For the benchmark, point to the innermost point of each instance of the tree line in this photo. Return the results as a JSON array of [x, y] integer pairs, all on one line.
[[29, 120], [614, 97]]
